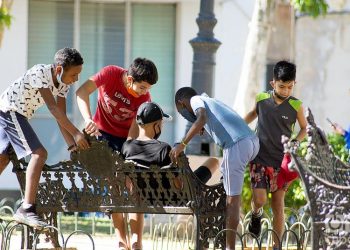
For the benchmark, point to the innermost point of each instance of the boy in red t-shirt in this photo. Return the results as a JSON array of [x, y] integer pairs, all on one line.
[[120, 93]]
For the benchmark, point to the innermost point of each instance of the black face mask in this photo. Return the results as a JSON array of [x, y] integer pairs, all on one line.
[[279, 96], [187, 115], [156, 135]]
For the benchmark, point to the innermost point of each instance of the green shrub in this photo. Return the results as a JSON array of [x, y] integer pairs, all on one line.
[[295, 196]]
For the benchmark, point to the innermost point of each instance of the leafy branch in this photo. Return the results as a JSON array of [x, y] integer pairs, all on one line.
[[314, 8], [5, 17]]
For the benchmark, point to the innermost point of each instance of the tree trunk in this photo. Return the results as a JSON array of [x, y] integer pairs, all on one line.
[[4, 4], [254, 60]]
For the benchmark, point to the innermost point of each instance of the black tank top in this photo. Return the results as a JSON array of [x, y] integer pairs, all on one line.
[[274, 120]]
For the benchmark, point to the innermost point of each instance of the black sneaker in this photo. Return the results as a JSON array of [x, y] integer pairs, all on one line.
[[29, 217], [254, 226]]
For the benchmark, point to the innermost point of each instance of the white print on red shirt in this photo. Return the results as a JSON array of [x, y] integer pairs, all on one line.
[[122, 98], [120, 114]]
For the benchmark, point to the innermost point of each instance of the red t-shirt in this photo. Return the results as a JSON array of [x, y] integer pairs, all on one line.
[[116, 108]]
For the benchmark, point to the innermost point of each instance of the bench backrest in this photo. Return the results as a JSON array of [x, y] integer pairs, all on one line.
[[97, 180], [326, 181]]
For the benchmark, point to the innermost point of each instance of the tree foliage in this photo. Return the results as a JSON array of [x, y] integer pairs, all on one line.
[[314, 8], [5, 17], [295, 196]]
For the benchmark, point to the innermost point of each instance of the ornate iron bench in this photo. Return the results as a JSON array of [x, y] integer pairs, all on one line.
[[326, 181], [94, 180]]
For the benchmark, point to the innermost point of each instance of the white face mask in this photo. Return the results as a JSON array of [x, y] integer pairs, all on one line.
[[59, 77]]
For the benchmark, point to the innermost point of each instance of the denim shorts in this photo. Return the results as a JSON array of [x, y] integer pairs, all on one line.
[[16, 131], [115, 142]]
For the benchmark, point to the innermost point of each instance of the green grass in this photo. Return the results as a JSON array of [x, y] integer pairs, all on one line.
[[102, 225], [68, 224]]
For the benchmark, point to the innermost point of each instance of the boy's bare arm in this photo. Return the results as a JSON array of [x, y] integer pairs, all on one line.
[[302, 124], [83, 101], [62, 118], [83, 93], [250, 116], [196, 128], [61, 103]]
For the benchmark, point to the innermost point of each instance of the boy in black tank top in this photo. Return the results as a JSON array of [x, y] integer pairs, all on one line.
[[277, 112]]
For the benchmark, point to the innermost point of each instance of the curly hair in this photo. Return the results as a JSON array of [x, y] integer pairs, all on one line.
[[68, 57]]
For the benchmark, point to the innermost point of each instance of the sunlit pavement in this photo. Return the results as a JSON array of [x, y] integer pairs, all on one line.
[[79, 242]]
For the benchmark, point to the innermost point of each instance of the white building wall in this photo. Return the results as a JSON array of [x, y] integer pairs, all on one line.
[[187, 29], [232, 31], [13, 52], [13, 63], [322, 55]]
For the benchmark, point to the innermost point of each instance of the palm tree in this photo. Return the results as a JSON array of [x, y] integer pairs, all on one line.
[[5, 17], [254, 60]]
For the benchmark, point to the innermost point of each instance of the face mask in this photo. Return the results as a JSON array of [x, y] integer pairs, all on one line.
[[59, 77], [188, 115], [279, 96], [132, 92], [156, 135]]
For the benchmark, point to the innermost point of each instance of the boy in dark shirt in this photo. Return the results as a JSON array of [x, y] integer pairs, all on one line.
[[147, 150], [277, 112]]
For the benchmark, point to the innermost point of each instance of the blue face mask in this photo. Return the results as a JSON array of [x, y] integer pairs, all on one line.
[[188, 115]]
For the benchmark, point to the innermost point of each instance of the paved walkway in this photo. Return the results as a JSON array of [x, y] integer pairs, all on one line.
[[81, 242]]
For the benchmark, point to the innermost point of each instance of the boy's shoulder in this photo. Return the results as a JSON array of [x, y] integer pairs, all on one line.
[[263, 96], [39, 71], [113, 68], [40, 68], [295, 103]]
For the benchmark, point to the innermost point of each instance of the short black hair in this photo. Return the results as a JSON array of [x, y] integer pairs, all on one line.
[[184, 93], [68, 57], [143, 69], [284, 71]]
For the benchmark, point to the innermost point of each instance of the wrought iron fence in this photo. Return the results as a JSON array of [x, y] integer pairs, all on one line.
[[170, 233]]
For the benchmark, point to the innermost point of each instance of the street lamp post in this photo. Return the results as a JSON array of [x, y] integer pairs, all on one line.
[[204, 50]]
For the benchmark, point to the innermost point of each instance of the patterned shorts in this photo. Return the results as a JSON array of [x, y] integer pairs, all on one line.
[[267, 177], [263, 177]]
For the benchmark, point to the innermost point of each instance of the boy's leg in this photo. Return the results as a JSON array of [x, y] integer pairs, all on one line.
[[233, 204], [277, 205], [212, 164], [33, 174], [207, 169], [25, 142], [4, 161], [260, 181], [26, 213], [259, 198], [235, 160], [136, 228], [4, 146], [120, 229]]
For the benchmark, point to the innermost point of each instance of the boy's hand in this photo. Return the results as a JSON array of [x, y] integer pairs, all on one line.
[[175, 151], [80, 141], [91, 128], [338, 129]]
